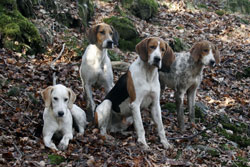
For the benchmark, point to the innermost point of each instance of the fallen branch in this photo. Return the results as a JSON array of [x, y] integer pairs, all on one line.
[[119, 65], [8, 103], [52, 65], [190, 137]]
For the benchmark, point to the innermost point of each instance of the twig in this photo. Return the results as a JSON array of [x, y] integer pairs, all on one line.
[[18, 150], [52, 66], [8, 103], [190, 137], [148, 162]]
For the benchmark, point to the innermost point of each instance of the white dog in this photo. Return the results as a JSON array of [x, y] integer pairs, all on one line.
[[96, 67], [57, 116]]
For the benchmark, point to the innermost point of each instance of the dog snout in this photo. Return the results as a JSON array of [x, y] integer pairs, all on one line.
[[60, 113], [212, 63], [157, 59], [110, 44]]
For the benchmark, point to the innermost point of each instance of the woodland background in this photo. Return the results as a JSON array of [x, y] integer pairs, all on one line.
[[33, 33]]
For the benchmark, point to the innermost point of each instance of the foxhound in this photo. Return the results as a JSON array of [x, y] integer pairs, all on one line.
[[57, 116], [185, 75], [96, 66], [137, 89]]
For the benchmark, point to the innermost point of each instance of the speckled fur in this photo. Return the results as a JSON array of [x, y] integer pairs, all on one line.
[[185, 76]]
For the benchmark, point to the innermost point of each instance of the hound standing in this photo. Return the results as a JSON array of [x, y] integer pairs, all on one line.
[[96, 66], [57, 116], [138, 88], [185, 75]]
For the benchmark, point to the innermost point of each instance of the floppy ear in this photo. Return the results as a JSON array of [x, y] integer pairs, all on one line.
[[46, 95], [168, 58], [216, 54], [72, 98], [196, 51], [142, 49], [91, 34], [115, 36]]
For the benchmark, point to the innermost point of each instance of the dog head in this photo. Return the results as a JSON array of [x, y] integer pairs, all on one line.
[[59, 99], [206, 53], [103, 35], [156, 52]]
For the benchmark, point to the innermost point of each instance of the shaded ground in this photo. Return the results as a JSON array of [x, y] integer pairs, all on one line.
[[224, 90]]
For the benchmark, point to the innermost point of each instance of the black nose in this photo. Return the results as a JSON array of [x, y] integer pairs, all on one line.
[[157, 59], [212, 63], [60, 113], [110, 44]]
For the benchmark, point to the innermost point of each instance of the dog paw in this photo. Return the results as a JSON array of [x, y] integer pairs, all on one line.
[[166, 145], [62, 146]]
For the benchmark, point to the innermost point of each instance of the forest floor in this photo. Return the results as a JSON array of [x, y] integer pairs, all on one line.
[[219, 138]]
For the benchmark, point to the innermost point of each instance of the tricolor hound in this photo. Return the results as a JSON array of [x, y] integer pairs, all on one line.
[[57, 116], [137, 89], [96, 66], [185, 75]]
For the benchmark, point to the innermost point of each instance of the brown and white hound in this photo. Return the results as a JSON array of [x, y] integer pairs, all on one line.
[[96, 66], [185, 75], [137, 89]]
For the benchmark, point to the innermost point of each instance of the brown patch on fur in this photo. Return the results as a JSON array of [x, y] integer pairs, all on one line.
[[72, 98], [96, 118], [141, 49], [216, 54], [99, 33], [46, 95], [130, 87], [169, 57], [200, 49]]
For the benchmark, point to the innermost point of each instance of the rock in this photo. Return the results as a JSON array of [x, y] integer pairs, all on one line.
[[177, 45], [119, 65], [129, 36], [144, 9], [19, 33]]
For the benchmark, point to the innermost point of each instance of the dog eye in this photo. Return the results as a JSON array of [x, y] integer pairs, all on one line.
[[66, 99], [152, 47], [111, 33], [162, 50], [55, 98], [102, 32], [205, 50]]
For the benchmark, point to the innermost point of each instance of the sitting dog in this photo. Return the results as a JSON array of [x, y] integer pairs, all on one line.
[[57, 116], [96, 66], [137, 89], [185, 75]]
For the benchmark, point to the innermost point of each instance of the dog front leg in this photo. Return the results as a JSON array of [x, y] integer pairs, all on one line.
[[63, 145], [138, 124], [102, 115], [48, 142], [156, 114], [179, 105], [90, 103], [191, 93]]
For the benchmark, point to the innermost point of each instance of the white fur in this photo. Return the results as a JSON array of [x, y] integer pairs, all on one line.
[[147, 90], [53, 123], [95, 69], [209, 57]]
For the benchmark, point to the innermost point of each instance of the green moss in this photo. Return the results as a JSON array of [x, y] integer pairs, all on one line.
[[56, 159], [220, 12], [114, 56], [204, 6], [214, 152], [14, 91], [177, 45], [199, 114], [171, 107], [129, 36], [242, 6], [15, 27], [85, 12], [144, 9], [243, 141], [124, 26]]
